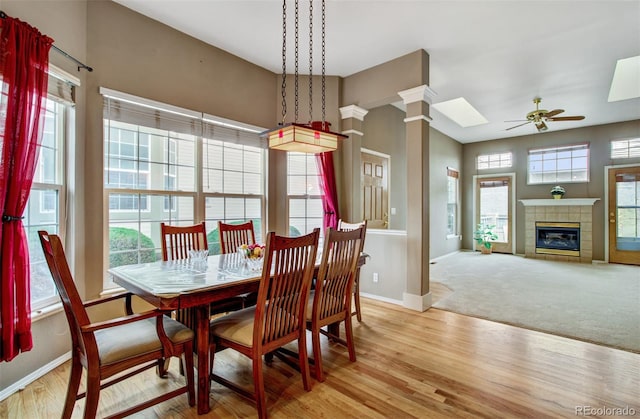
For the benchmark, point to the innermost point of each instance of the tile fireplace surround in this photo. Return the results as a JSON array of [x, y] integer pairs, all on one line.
[[560, 210]]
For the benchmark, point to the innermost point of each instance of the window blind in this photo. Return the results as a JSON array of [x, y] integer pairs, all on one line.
[[131, 109], [624, 149], [62, 85]]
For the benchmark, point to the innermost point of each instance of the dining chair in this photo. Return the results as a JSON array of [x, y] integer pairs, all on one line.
[[129, 344], [277, 319], [178, 240], [233, 236], [330, 301], [176, 243], [344, 226]]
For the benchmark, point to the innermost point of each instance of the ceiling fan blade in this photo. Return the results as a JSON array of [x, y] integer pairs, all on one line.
[[567, 118], [518, 125], [553, 113], [516, 120]]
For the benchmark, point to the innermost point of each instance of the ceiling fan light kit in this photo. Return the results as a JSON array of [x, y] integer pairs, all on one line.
[[539, 117]]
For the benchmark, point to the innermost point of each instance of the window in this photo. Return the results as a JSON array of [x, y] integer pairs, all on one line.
[[494, 161], [452, 202], [304, 195], [559, 164], [233, 183], [625, 149], [46, 206], [173, 165]]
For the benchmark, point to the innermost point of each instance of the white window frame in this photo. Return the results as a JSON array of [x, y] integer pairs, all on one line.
[[63, 138], [177, 193], [625, 149], [309, 226], [455, 180], [494, 161], [568, 153]]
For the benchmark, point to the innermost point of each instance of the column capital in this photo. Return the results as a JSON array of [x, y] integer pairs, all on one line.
[[353, 111], [416, 94]]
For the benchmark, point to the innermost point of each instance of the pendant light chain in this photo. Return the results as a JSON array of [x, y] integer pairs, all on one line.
[[310, 61], [323, 62], [284, 60], [315, 136], [295, 119]]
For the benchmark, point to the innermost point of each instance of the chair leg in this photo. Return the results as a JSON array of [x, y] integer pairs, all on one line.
[[317, 354], [163, 367], [187, 360], [212, 354], [93, 395], [74, 385], [356, 296], [258, 382], [303, 359], [348, 331]]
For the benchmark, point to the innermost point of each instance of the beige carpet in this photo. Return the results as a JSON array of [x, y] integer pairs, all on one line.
[[597, 303]]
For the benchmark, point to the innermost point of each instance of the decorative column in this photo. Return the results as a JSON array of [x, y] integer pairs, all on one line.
[[352, 121], [417, 100]]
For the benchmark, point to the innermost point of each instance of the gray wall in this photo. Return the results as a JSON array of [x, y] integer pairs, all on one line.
[[599, 138], [443, 152]]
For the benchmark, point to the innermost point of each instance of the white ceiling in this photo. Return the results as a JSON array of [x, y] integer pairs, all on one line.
[[498, 55]]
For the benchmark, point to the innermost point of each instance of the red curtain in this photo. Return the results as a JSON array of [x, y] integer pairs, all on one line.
[[329, 190], [24, 61]]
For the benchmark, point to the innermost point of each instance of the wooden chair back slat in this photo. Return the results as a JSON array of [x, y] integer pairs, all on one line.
[[178, 240], [233, 236]]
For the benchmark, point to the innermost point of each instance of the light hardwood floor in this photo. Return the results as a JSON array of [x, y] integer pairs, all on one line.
[[422, 365]]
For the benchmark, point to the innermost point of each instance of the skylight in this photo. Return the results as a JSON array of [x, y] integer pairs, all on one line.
[[626, 79], [461, 112]]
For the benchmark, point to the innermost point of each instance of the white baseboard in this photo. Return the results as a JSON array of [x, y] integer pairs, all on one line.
[[22, 383], [380, 298], [417, 302]]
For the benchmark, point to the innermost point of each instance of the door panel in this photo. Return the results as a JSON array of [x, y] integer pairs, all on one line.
[[375, 190], [624, 215], [493, 206]]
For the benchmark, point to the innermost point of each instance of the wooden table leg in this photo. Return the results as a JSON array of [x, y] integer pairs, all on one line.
[[202, 349]]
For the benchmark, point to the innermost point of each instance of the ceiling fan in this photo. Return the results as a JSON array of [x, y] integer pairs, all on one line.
[[540, 116]]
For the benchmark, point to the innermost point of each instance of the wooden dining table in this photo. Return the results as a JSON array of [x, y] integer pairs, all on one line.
[[185, 284]]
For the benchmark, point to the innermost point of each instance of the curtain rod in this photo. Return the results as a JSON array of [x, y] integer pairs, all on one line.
[[80, 64]]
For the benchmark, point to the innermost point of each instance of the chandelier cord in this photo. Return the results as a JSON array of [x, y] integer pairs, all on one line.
[[295, 119], [310, 61], [284, 61], [323, 63]]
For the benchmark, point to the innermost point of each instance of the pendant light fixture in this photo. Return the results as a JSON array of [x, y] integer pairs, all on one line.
[[313, 137]]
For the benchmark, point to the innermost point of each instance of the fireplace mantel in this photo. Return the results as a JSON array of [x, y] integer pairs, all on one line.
[[558, 202]]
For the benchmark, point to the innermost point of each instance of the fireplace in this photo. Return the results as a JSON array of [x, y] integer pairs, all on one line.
[[558, 238]]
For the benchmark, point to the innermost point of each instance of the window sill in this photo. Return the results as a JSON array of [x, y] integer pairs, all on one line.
[[45, 312], [110, 291]]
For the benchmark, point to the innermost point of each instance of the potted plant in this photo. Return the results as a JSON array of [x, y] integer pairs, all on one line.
[[484, 235], [557, 192]]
